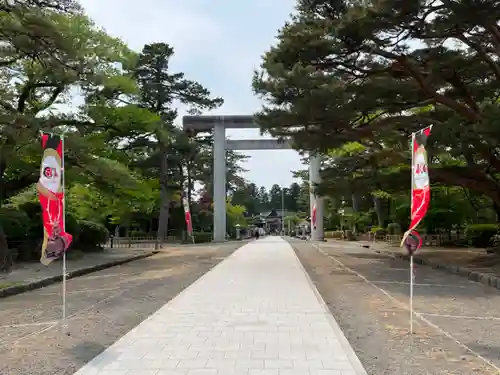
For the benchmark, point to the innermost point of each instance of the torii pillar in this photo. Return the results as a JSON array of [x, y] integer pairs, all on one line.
[[219, 181], [219, 124]]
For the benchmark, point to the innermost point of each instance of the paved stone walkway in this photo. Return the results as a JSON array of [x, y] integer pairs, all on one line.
[[256, 313]]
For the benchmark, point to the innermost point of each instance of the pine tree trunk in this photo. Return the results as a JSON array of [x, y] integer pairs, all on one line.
[[496, 207], [164, 215], [164, 199], [377, 204], [5, 256], [355, 202]]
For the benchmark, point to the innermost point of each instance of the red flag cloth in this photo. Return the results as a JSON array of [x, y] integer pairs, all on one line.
[[51, 194], [313, 216], [420, 190], [187, 214]]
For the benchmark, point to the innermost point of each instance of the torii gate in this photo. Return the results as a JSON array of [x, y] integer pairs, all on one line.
[[198, 124]]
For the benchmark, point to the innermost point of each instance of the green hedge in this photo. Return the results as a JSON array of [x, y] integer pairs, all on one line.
[[480, 235], [393, 228], [336, 234], [92, 235], [35, 226], [15, 223], [378, 232], [23, 228], [202, 237], [141, 233]]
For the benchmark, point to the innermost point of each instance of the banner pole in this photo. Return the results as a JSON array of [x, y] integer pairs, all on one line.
[[422, 199], [411, 295], [411, 256], [63, 152]]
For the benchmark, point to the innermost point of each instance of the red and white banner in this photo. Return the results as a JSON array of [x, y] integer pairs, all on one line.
[[51, 194], [420, 189], [313, 216], [187, 215]]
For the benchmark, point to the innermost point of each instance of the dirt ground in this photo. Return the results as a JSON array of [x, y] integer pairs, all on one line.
[[101, 307], [474, 259], [456, 321]]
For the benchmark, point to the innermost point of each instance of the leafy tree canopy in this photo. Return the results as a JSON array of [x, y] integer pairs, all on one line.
[[373, 72]]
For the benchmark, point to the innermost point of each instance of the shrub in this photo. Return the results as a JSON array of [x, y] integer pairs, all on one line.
[[139, 233], [495, 241], [350, 236], [202, 237], [92, 236], [363, 222], [336, 234], [35, 229], [73, 227], [379, 232], [480, 235], [393, 228], [29, 247], [31, 208], [15, 223]]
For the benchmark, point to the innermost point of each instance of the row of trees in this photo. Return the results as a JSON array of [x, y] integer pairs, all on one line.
[[259, 201], [352, 80], [126, 163]]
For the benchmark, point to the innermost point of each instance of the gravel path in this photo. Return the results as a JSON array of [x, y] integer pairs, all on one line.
[[102, 307], [457, 324], [35, 271]]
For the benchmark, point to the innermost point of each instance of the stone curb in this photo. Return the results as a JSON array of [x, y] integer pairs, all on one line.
[[346, 345], [18, 289], [480, 277]]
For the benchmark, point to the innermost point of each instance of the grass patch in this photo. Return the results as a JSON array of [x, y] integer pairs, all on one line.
[[8, 285]]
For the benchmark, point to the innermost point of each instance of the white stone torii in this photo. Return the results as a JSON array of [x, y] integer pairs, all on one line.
[[198, 124]]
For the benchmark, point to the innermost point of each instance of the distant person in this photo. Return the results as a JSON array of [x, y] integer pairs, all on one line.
[[257, 233]]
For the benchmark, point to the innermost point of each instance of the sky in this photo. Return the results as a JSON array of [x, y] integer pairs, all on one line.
[[218, 43]]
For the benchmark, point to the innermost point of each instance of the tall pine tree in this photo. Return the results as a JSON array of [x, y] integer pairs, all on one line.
[[161, 91]]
